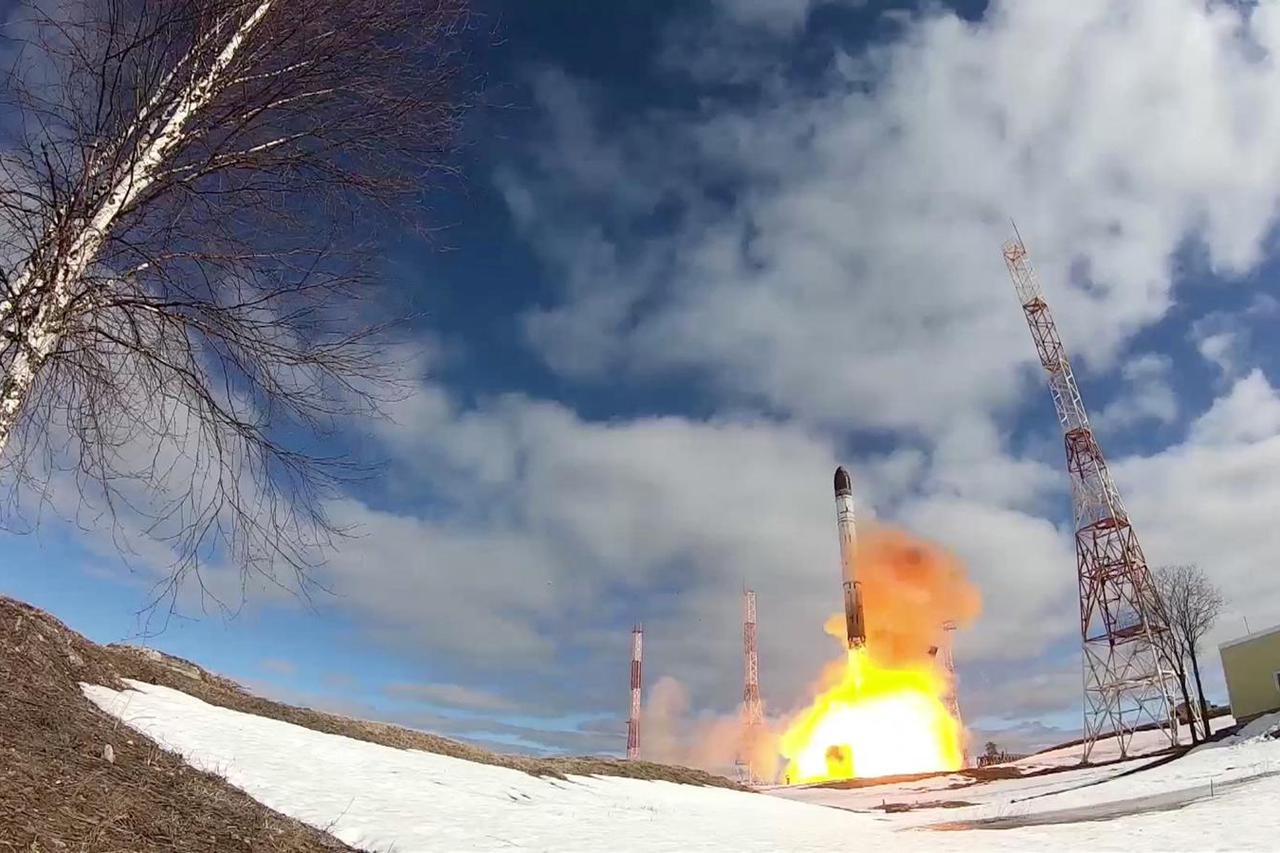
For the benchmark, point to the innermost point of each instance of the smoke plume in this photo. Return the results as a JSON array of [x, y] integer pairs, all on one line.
[[711, 742], [881, 709], [910, 587]]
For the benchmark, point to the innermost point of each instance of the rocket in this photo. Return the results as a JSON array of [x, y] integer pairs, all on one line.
[[855, 625]]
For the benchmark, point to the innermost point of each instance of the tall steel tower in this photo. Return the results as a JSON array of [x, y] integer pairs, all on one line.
[[633, 722], [1127, 680], [752, 710], [949, 666]]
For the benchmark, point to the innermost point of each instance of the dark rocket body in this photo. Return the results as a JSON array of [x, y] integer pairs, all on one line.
[[855, 624]]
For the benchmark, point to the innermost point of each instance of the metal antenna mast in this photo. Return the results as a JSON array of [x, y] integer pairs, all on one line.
[[949, 666], [633, 722], [752, 710], [1127, 681]]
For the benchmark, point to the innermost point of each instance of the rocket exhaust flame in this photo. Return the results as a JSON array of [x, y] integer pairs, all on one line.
[[882, 707], [874, 721]]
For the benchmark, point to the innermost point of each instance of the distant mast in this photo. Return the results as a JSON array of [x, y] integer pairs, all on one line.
[[752, 708], [633, 722], [949, 666]]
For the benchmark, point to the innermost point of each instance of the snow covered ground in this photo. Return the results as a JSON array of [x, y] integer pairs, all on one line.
[[1108, 749], [383, 799], [1004, 795]]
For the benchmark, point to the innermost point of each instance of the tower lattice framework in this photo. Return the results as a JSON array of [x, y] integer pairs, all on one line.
[[947, 653], [633, 721], [1127, 679], [752, 709]]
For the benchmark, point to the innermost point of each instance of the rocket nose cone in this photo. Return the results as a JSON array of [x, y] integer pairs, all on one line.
[[844, 483]]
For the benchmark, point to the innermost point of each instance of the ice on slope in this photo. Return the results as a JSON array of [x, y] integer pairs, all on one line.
[[379, 798]]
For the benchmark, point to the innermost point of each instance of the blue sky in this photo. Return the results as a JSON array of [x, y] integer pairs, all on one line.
[[702, 252]]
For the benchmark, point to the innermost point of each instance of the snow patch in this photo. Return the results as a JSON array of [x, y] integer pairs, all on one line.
[[379, 798], [1265, 727]]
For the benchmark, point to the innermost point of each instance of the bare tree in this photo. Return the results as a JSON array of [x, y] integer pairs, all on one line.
[[191, 195], [1175, 652], [1192, 604]]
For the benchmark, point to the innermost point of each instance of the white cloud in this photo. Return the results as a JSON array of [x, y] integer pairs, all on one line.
[[550, 535], [1222, 350], [970, 460], [1225, 339], [450, 695], [1023, 565], [829, 254], [826, 250], [1211, 500], [835, 251], [1146, 396], [1038, 690], [833, 262], [1249, 413], [778, 16]]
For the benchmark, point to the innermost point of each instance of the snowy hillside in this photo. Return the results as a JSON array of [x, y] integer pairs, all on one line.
[[380, 798], [1108, 749]]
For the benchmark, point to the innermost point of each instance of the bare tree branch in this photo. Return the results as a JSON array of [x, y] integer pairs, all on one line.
[[191, 196], [1191, 605]]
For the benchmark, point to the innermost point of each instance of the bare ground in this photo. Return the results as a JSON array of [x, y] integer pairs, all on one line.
[[58, 791]]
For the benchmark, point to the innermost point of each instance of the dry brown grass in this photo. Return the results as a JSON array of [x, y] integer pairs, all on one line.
[[57, 792], [169, 671]]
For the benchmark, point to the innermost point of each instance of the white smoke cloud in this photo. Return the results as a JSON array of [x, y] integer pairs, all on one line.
[[672, 733]]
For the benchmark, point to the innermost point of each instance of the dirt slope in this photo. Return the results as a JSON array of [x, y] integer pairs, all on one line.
[[157, 668], [58, 792]]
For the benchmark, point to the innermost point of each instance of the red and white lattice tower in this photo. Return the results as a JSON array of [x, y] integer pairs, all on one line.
[[1127, 680], [752, 710], [633, 721], [949, 666]]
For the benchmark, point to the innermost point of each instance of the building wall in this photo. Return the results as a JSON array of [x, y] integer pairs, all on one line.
[[1251, 666]]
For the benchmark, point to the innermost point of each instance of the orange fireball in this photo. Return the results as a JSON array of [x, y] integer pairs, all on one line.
[[874, 721], [881, 709]]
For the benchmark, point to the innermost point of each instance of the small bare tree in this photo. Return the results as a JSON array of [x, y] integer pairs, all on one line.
[[1191, 605], [1175, 654], [191, 193]]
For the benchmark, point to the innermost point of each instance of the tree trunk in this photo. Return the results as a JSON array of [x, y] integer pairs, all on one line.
[[37, 344], [1204, 705], [1181, 672], [55, 287]]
